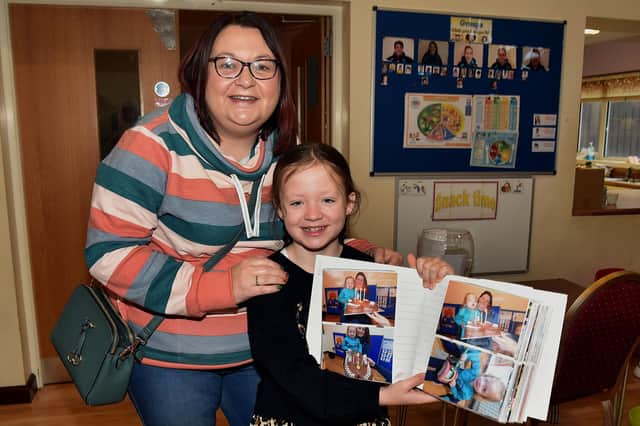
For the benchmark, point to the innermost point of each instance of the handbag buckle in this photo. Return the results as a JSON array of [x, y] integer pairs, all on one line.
[[132, 348], [74, 358]]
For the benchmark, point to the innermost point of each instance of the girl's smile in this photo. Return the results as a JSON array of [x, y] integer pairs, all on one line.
[[314, 209]]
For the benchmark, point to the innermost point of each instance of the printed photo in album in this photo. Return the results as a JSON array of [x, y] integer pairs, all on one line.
[[359, 297], [476, 315], [469, 376], [358, 351], [358, 322]]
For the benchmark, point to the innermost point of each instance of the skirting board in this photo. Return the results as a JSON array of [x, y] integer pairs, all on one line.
[[19, 394]]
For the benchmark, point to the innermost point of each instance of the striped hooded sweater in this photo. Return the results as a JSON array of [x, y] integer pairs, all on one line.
[[164, 200]]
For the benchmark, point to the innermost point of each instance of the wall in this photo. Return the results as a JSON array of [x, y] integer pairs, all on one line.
[[561, 245], [12, 371], [612, 57], [16, 360]]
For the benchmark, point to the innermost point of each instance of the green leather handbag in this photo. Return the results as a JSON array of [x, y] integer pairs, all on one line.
[[96, 346]]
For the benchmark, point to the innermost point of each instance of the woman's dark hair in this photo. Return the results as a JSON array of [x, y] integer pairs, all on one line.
[[366, 283], [434, 44], [488, 293], [304, 156], [366, 336], [194, 74]]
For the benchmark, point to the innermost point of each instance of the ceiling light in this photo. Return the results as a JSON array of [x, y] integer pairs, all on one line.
[[591, 31]]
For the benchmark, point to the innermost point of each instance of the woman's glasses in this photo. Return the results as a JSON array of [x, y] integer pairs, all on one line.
[[261, 69]]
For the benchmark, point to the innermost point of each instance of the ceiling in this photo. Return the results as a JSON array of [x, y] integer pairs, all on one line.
[[611, 29]]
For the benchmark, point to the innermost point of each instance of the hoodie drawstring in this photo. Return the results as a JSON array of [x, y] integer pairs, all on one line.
[[252, 229]]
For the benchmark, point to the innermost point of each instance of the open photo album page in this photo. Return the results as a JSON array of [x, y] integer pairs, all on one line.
[[482, 345]]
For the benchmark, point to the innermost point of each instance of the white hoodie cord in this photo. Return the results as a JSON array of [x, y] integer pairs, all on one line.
[[252, 229]]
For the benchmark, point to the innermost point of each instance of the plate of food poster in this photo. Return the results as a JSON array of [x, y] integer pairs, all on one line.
[[437, 121], [494, 149]]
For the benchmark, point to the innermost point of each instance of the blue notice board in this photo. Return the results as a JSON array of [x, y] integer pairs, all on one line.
[[447, 113]]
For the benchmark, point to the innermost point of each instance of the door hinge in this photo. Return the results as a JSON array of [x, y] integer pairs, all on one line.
[[327, 48]]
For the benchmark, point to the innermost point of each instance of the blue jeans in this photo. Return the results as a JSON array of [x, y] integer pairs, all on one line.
[[173, 397]]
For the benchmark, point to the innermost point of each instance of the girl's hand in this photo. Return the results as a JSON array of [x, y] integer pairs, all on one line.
[[432, 270], [255, 276], [386, 256], [403, 392]]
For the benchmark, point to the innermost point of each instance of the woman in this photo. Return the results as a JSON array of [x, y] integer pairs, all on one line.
[[365, 339], [431, 56], [485, 306], [502, 60], [533, 61], [490, 314], [467, 60], [174, 192]]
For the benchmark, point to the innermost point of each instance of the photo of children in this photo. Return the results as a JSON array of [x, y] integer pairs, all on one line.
[[397, 50], [362, 298], [504, 60], [467, 376], [468, 58], [535, 58], [483, 316], [358, 351], [435, 54]]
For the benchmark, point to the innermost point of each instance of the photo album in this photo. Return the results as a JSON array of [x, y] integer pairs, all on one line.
[[482, 345]]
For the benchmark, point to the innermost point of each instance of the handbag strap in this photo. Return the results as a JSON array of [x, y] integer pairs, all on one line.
[[147, 330]]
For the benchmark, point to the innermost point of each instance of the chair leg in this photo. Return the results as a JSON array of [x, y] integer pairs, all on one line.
[[608, 413], [613, 407], [460, 416], [444, 414], [554, 414], [401, 412]]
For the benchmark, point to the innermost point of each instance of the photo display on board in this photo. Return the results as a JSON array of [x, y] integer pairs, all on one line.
[[464, 94]]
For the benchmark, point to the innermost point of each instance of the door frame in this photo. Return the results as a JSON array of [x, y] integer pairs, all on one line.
[[12, 167]]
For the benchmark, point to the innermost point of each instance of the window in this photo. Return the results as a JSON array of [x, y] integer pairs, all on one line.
[[590, 120], [612, 125], [117, 93], [623, 129], [610, 115]]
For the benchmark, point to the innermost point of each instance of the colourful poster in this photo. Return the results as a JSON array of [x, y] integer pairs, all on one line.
[[437, 121], [471, 29], [499, 113], [494, 149]]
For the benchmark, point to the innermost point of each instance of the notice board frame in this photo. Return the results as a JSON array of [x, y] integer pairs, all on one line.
[[539, 94]]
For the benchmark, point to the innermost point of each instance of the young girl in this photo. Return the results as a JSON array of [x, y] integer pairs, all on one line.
[[313, 193], [347, 293], [468, 312], [351, 341]]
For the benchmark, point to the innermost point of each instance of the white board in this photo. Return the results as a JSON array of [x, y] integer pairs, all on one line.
[[501, 244]]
